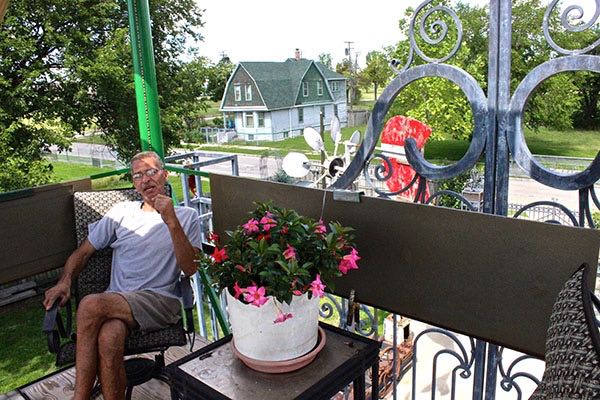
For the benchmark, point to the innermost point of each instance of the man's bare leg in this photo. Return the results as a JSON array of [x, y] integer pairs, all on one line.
[[111, 349], [93, 311]]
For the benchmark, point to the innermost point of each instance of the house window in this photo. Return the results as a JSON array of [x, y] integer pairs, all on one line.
[[300, 115], [335, 110], [248, 93], [238, 92], [323, 111], [334, 86], [319, 88], [286, 134], [250, 137], [249, 120], [305, 89], [261, 119]]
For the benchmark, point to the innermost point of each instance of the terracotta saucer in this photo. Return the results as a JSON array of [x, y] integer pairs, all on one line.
[[280, 367]]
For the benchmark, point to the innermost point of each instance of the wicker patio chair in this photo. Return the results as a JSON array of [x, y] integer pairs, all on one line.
[[572, 344], [95, 278]]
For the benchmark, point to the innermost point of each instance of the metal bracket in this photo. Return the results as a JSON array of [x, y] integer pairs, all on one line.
[[350, 196]]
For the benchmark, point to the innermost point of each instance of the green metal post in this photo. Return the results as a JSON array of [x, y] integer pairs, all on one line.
[[146, 91]]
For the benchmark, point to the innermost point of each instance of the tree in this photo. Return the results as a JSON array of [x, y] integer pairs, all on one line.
[[348, 69], [435, 101], [217, 78], [66, 64], [443, 106], [325, 59], [378, 71]]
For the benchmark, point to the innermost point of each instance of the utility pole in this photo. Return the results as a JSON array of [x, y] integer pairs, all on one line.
[[349, 49]]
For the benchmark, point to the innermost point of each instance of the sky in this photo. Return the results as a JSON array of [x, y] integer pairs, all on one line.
[[270, 30]]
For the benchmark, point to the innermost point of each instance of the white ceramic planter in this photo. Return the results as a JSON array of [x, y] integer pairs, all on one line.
[[256, 336]]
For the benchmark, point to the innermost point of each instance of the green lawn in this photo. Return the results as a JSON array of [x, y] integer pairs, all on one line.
[[24, 354], [69, 171], [571, 143], [212, 110], [92, 139]]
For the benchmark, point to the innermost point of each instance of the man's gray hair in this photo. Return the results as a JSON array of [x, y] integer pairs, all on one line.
[[147, 154]]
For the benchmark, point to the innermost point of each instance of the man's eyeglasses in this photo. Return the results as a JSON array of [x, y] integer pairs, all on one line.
[[149, 173]]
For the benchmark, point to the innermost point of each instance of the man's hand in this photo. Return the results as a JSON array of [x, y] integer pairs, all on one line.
[[164, 205], [62, 290]]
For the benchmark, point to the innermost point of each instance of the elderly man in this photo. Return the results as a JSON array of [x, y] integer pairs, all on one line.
[[153, 242]]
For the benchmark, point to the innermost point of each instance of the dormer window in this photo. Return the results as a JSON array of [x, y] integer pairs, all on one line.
[[334, 86], [305, 89], [248, 93], [238, 92], [319, 88]]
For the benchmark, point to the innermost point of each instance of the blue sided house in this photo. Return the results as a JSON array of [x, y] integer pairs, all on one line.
[[277, 100]]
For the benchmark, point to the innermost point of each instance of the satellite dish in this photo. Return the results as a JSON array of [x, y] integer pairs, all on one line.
[[336, 133], [355, 138], [313, 139], [296, 165]]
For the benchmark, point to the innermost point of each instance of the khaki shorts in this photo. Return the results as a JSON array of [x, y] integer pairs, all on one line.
[[151, 310]]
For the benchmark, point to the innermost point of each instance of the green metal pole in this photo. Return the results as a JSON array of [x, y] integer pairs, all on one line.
[[146, 91]]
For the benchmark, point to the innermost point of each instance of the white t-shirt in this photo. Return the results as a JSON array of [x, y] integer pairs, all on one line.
[[143, 254]]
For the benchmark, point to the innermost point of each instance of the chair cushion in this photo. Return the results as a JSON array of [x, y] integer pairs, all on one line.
[[139, 341], [572, 345], [90, 207]]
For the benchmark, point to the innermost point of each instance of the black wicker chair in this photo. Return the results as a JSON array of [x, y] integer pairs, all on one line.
[[572, 344], [95, 278]]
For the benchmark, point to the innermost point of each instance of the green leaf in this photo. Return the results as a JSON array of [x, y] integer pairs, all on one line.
[[283, 265]]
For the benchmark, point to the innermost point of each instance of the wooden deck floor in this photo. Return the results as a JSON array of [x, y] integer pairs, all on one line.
[[60, 386]]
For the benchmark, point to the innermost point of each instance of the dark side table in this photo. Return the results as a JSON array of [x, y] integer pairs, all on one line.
[[215, 373]]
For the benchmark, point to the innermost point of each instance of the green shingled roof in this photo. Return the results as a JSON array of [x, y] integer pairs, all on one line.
[[279, 82], [329, 74]]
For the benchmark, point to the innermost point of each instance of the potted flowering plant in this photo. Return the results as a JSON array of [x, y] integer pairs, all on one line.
[[275, 260]]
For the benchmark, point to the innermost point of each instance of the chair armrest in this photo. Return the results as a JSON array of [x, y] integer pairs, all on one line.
[[53, 325]]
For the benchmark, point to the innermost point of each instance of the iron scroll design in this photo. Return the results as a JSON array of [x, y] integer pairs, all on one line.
[[511, 376], [476, 98], [438, 31], [438, 28], [516, 139], [570, 21], [465, 359]]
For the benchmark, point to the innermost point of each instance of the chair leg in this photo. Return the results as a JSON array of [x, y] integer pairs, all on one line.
[[129, 392]]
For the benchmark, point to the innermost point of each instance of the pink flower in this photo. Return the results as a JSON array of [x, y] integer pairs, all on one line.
[[251, 226], [289, 253], [240, 268], [238, 291], [349, 261], [284, 230], [255, 295], [220, 255], [320, 228], [317, 287], [296, 292], [267, 223], [282, 317]]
